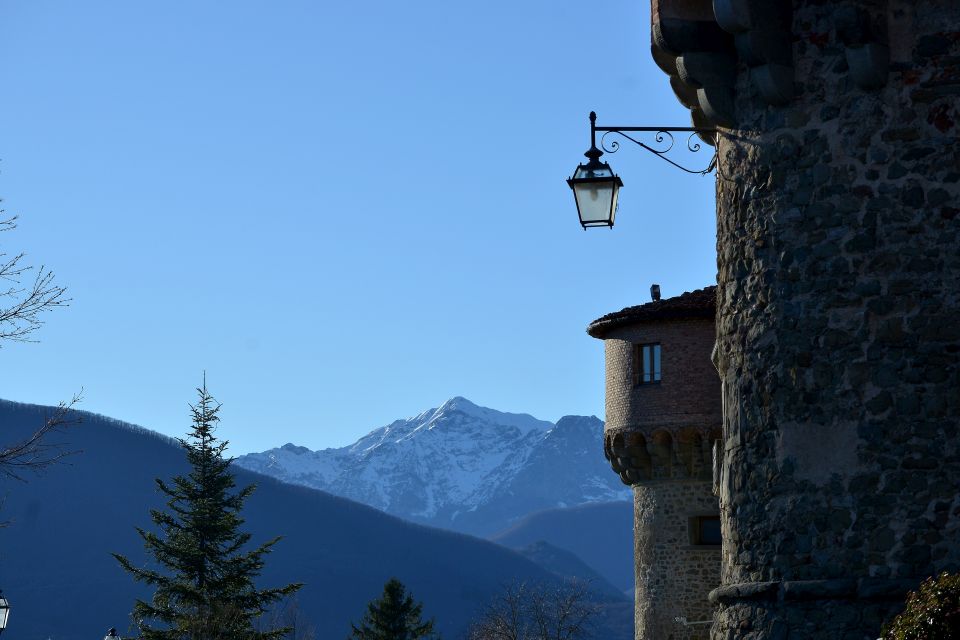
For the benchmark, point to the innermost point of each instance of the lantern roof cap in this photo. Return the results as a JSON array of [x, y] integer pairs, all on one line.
[[701, 303]]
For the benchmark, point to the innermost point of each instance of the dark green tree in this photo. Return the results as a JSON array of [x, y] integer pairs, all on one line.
[[204, 575], [394, 616]]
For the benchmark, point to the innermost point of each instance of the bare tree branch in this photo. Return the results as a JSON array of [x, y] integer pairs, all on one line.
[[37, 451], [537, 612], [21, 307], [22, 315], [290, 616]]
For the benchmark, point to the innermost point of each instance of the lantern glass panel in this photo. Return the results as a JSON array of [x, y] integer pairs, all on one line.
[[4, 612], [596, 201], [599, 170]]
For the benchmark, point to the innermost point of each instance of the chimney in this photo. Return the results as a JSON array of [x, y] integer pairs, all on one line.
[[654, 292]]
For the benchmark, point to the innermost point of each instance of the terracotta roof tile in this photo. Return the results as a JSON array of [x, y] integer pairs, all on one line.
[[701, 303]]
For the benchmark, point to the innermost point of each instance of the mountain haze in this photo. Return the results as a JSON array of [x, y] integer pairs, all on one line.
[[600, 535], [459, 466]]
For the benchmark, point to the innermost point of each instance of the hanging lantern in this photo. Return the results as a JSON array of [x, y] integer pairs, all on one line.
[[595, 186]]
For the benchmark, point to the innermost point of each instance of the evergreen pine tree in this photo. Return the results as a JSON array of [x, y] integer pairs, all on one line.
[[203, 583], [394, 616]]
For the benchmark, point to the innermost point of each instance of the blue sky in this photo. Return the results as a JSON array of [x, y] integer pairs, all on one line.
[[345, 213]]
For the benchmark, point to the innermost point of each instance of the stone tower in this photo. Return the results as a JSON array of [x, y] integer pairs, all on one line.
[[838, 298], [663, 414]]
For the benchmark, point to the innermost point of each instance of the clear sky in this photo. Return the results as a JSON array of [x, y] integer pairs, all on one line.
[[345, 212]]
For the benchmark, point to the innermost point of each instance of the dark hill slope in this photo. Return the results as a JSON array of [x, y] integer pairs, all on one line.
[[601, 535], [56, 569], [565, 564]]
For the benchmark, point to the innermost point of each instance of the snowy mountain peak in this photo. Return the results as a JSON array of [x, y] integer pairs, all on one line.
[[458, 466], [292, 448], [458, 404]]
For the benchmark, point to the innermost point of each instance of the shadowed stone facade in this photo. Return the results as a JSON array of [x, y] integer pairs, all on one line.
[[658, 437], [837, 331]]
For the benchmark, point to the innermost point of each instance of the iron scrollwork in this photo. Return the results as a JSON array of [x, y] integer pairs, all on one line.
[[663, 142]]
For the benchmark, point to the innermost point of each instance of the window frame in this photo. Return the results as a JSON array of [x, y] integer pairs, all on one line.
[[695, 529], [640, 363]]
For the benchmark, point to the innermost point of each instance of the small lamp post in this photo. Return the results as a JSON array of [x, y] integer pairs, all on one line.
[[595, 186], [4, 612]]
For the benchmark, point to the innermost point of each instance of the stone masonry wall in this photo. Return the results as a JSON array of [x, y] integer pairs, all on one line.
[[673, 578], [838, 330]]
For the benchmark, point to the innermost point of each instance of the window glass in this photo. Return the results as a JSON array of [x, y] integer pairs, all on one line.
[[710, 530], [646, 363]]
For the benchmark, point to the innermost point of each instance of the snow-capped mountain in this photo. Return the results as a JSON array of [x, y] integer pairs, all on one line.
[[459, 466]]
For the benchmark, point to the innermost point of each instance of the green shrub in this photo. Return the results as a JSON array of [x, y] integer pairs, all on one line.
[[932, 613]]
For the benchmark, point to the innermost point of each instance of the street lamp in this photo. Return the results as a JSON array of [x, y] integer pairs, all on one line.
[[595, 186], [4, 612]]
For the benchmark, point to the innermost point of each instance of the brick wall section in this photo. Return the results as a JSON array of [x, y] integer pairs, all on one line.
[[689, 393], [673, 579]]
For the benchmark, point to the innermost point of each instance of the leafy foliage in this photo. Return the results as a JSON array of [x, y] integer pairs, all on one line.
[[394, 616], [206, 590], [932, 613]]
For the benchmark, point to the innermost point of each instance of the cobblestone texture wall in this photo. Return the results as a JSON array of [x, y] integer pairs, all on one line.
[[673, 578], [838, 331]]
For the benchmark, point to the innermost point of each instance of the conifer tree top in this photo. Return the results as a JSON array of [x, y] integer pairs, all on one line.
[[202, 568], [393, 616]]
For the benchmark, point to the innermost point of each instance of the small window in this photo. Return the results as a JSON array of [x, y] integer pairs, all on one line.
[[646, 364], [705, 531]]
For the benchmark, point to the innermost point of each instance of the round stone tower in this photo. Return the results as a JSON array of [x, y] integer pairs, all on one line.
[[838, 344], [663, 416]]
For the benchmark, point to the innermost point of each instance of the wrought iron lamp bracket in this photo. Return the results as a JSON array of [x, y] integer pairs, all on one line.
[[664, 141]]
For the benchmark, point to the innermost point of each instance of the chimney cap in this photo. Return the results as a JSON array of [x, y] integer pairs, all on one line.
[[654, 292]]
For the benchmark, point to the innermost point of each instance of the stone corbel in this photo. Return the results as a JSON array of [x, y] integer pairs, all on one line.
[[761, 31], [658, 464], [869, 65], [868, 57], [685, 37], [714, 76], [686, 95], [775, 83], [700, 120], [705, 470], [676, 36], [677, 467], [733, 16]]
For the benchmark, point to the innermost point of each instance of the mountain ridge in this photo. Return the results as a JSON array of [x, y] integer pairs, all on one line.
[[458, 466]]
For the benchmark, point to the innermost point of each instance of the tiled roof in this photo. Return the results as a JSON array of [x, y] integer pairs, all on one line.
[[701, 303]]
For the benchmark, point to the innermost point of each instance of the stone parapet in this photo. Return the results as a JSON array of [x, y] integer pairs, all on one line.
[[678, 451]]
